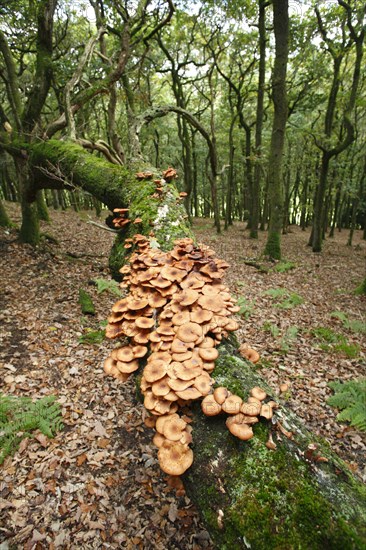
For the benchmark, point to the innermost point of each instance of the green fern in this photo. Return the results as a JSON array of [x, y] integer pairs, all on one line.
[[106, 285], [351, 397], [20, 416]]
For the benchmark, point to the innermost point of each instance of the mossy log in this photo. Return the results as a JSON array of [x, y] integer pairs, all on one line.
[[60, 164], [249, 496], [253, 497]]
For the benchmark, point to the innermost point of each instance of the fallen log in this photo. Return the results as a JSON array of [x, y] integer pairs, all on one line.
[[298, 495]]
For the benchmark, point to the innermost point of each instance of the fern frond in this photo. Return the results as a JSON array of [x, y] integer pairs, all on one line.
[[20, 416], [351, 397]]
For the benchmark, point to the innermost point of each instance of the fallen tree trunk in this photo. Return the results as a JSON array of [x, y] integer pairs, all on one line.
[[295, 496], [60, 164], [249, 496]]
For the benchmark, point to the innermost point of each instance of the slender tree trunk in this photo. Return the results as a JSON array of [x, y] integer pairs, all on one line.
[[259, 120], [318, 216], [230, 176], [281, 29]]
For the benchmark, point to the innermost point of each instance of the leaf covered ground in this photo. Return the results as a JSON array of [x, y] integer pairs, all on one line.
[[97, 484]]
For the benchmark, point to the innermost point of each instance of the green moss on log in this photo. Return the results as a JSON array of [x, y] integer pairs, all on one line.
[[270, 499]]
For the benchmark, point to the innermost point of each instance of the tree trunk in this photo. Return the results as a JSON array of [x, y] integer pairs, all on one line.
[[280, 21], [269, 499], [283, 498], [318, 220], [259, 119]]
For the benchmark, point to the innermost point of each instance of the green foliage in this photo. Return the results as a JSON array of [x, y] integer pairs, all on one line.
[[106, 285], [291, 299], [350, 397], [284, 266], [246, 307], [351, 324], [331, 341], [19, 416], [326, 334], [361, 289], [276, 292], [86, 302], [273, 329], [350, 350], [287, 338], [92, 337]]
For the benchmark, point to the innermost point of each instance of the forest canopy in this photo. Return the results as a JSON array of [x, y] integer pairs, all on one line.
[[261, 114]]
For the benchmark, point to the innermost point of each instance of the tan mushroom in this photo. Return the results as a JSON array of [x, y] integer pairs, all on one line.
[[175, 459], [173, 428], [266, 411], [190, 332], [221, 394], [232, 404], [258, 393], [210, 407], [241, 431], [250, 409]]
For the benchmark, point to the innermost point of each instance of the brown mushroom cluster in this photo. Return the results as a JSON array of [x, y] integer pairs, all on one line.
[[178, 309], [121, 218], [242, 415]]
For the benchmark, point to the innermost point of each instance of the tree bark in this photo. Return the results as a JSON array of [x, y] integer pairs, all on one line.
[[275, 191]]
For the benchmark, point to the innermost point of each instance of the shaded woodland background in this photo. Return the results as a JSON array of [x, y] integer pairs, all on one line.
[[201, 87]]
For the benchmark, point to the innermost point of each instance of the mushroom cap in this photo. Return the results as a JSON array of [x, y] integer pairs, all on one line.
[[266, 411], [178, 384], [158, 439], [160, 388], [139, 351], [208, 354], [209, 406], [173, 428], [181, 318], [211, 302], [221, 394], [201, 316], [248, 353], [155, 370], [175, 459], [137, 304], [207, 342], [250, 409], [129, 367], [161, 421], [178, 346], [188, 297], [203, 384], [241, 431], [124, 354], [232, 404], [241, 418], [189, 394], [145, 322], [190, 332], [173, 273], [120, 306], [258, 393]]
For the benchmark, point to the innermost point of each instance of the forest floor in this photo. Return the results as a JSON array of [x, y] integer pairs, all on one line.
[[97, 484]]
